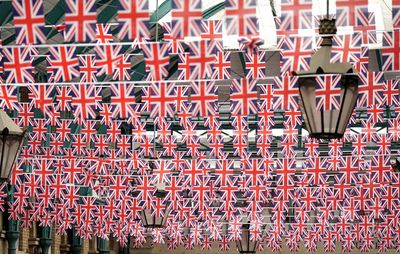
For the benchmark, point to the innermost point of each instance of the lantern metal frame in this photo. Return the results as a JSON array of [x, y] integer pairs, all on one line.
[[154, 221], [245, 245], [12, 138], [329, 124]]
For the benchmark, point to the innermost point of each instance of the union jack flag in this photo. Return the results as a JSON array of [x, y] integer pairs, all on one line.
[[107, 59], [255, 64], [222, 66], [177, 45], [391, 92], [295, 15], [156, 56], [123, 98], [315, 169], [362, 64], [62, 96], [162, 171], [212, 30], [250, 45], [135, 17], [347, 48], [285, 169], [123, 71], [80, 20], [224, 243], [311, 238], [244, 97], [199, 63], [104, 33], [391, 51], [17, 64], [347, 11], [88, 68], [186, 18], [370, 89], [365, 24], [25, 113], [84, 102], [29, 21], [241, 18], [286, 93], [266, 98], [160, 99], [396, 13], [296, 53], [203, 98], [8, 97], [63, 65], [43, 97], [328, 92]]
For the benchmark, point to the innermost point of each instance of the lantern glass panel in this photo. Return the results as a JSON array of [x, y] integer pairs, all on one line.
[[308, 104], [158, 221], [348, 101], [149, 220], [331, 118]]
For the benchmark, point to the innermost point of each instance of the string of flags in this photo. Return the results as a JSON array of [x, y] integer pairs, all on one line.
[[124, 96]]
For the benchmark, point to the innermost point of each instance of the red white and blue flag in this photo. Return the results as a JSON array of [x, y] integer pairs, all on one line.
[[80, 20], [241, 18], [29, 21]]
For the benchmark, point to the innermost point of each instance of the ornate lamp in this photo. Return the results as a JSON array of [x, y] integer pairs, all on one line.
[[11, 137], [246, 245], [10, 144], [328, 123], [151, 219]]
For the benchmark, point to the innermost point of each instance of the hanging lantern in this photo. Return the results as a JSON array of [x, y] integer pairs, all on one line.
[[10, 144], [246, 245], [327, 122], [153, 219]]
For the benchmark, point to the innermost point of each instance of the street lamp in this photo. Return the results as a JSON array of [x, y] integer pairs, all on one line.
[[246, 245], [10, 144], [11, 137], [149, 218], [327, 123]]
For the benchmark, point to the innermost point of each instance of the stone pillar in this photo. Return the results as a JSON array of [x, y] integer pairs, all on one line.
[[93, 246], [85, 246], [64, 246], [33, 241], [56, 245], [23, 240]]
